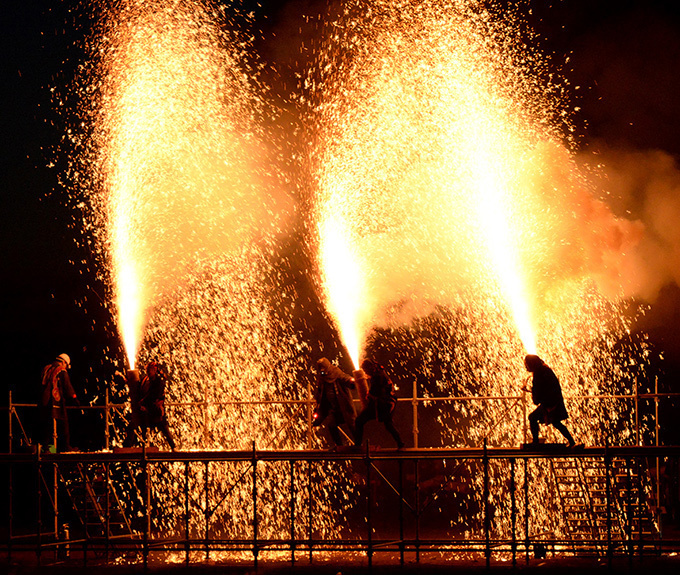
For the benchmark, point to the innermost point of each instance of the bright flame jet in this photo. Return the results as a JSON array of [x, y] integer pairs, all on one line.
[[342, 284]]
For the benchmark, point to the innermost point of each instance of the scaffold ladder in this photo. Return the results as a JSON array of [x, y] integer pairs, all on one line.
[[95, 502]]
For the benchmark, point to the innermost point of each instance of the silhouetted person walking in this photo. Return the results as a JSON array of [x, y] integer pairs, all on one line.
[[333, 399], [380, 404], [546, 393]]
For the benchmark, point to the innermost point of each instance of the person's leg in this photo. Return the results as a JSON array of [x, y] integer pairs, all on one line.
[[46, 428], [534, 417], [565, 432], [165, 430], [393, 431], [64, 434], [363, 418], [334, 429]]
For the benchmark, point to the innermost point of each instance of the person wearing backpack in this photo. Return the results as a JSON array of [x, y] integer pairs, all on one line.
[[380, 405], [55, 389]]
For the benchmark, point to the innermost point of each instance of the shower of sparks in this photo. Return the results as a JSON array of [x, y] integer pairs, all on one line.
[[454, 232], [440, 161], [191, 212]]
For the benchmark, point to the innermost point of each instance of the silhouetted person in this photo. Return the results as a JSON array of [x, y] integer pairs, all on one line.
[[333, 399], [147, 402], [546, 393], [55, 388], [380, 404]]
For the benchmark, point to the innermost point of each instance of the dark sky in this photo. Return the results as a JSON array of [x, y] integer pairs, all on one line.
[[625, 56]]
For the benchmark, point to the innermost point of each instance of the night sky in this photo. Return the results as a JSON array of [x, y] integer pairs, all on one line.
[[624, 56]]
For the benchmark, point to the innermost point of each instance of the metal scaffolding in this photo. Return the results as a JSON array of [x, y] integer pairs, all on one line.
[[620, 530], [610, 498]]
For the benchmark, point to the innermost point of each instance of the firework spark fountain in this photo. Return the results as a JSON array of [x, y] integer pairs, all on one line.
[[187, 214], [445, 185]]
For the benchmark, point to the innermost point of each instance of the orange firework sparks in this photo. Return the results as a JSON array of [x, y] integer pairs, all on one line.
[[449, 214], [440, 162], [190, 218], [173, 154]]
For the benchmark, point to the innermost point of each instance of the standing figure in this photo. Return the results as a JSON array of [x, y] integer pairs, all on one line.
[[380, 404], [147, 401], [546, 393], [56, 387], [333, 399]]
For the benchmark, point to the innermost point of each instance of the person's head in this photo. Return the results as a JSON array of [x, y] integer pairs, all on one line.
[[323, 365], [532, 363], [152, 368], [65, 359], [369, 366]]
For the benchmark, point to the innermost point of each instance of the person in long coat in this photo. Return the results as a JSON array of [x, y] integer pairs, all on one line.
[[546, 394], [333, 399], [380, 403], [147, 402]]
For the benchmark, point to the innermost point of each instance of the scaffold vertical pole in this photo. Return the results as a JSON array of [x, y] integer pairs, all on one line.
[[608, 495], [637, 413], [186, 513], [147, 505], [526, 510], [369, 523], [86, 540], [513, 512], [414, 407], [292, 512], [255, 525], [55, 485], [309, 507], [10, 484], [401, 511], [629, 509], [107, 420], [107, 486], [206, 511], [309, 414], [487, 519], [39, 534], [417, 485]]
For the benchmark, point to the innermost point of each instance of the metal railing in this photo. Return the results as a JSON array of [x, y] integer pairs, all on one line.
[[516, 401]]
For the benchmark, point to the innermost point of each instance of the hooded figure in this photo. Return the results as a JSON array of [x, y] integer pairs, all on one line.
[[333, 398], [381, 402], [546, 393], [55, 389], [147, 401]]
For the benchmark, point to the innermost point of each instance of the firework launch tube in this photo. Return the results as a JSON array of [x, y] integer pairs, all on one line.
[[362, 385]]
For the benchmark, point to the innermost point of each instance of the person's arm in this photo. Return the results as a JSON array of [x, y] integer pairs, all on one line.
[[68, 388], [347, 381]]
